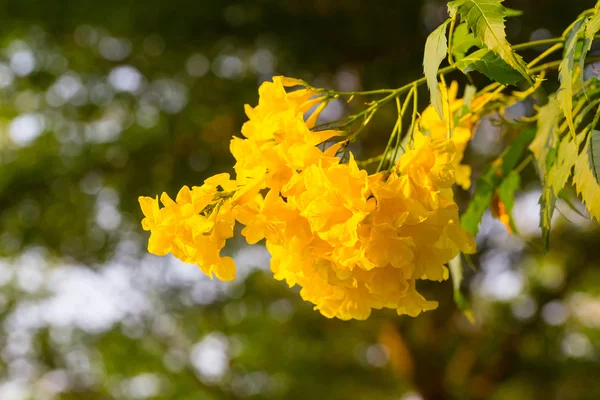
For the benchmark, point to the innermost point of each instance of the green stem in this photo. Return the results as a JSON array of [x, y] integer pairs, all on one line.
[[594, 123], [556, 64], [523, 164], [364, 93], [397, 127], [516, 47], [585, 111], [538, 43], [369, 161], [555, 43], [545, 54], [411, 127], [389, 143], [396, 92]]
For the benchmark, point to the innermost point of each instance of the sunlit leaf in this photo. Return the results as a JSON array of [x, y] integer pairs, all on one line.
[[491, 65], [585, 182], [486, 19], [547, 205], [463, 40], [560, 171], [565, 72], [546, 137], [436, 47]]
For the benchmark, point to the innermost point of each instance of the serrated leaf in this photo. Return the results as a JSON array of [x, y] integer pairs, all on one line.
[[585, 182], [462, 41], [546, 137], [491, 65], [564, 196], [506, 193], [592, 27], [436, 47], [565, 72], [594, 152], [547, 204], [545, 152], [485, 18], [491, 179], [560, 171]]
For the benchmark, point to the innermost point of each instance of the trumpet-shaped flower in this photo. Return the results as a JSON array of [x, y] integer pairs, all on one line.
[[351, 241]]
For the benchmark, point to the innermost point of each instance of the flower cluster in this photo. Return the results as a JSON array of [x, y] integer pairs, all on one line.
[[353, 241]]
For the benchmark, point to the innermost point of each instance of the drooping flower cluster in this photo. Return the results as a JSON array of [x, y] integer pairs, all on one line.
[[354, 242]]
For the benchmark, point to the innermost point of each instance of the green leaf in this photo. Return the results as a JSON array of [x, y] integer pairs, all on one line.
[[456, 272], [585, 182], [486, 19], [547, 127], [564, 196], [592, 27], [594, 153], [547, 205], [491, 65], [462, 41], [436, 47], [545, 154], [560, 171], [565, 72], [506, 193], [491, 179]]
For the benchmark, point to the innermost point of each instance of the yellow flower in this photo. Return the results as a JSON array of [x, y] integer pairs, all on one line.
[[332, 200], [195, 226], [352, 242], [274, 99], [278, 141], [429, 163], [461, 133]]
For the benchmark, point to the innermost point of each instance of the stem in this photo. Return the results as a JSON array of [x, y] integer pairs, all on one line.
[[452, 67], [592, 126], [412, 124], [586, 110], [545, 54], [556, 64], [523, 164], [555, 43], [364, 93], [396, 92], [369, 161], [538, 43], [397, 127]]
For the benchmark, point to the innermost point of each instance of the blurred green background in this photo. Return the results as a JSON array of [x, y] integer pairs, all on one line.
[[102, 102]]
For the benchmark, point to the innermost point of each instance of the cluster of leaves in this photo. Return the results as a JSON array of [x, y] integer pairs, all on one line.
[[565, 142]]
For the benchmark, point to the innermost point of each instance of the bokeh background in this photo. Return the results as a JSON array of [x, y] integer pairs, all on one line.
[[104, 101]]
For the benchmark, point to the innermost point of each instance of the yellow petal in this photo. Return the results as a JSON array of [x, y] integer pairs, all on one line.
[[225, 269]]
